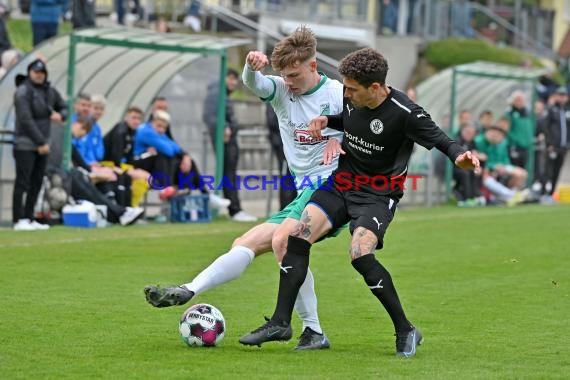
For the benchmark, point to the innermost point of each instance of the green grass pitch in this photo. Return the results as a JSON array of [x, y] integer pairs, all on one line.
[[488, 287]]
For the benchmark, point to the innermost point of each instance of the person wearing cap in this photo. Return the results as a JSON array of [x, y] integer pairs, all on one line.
[[37, 105]]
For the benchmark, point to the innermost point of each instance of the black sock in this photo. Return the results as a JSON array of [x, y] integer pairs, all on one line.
[[380, 281], [292, 274]]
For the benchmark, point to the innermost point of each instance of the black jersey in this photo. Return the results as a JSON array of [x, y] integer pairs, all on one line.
[[378, 144]]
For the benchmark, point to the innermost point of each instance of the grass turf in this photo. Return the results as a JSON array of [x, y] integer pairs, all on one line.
[[20, 32], [488, 287]]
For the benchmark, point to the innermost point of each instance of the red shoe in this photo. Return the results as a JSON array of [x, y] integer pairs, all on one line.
[[167, 193]]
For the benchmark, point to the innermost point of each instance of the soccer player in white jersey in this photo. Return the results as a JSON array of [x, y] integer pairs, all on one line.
[[297, 96]]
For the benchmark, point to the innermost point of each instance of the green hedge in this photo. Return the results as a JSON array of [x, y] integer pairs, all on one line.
[[20, 33], [450, 52]]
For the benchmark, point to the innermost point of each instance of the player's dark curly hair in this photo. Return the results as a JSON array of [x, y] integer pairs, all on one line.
[[365, 66], [298, 47]]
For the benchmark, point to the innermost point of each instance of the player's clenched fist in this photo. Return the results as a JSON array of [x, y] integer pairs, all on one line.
[[256, 60]]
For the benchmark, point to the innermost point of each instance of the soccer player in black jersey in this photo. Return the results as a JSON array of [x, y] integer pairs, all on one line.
[[380, 127]]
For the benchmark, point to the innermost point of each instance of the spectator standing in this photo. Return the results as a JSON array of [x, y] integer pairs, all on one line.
[[557, 138], [389, 16], [521, 132], [287, 191], [192, 18], [83, 14], [541, 114], [5, 43], [37, 104], [45, 16], [231, 148]]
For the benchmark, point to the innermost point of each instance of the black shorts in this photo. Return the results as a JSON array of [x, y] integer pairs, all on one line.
[[373, 212]]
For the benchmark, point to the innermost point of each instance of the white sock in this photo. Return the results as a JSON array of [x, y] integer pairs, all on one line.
[[306, 304], [225, 268], [497, 188]]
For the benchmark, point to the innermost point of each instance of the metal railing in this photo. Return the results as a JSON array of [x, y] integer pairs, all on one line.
[[438, 19]]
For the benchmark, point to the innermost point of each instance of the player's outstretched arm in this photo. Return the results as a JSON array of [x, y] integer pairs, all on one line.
[[468, 160]]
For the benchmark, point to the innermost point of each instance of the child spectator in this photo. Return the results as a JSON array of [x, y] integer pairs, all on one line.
[[467, 183]]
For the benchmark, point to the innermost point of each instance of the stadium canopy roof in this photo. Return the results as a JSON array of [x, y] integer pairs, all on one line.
[[127, 65], [475, 86]]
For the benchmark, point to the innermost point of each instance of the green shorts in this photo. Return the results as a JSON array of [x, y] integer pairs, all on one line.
[[295, 209]]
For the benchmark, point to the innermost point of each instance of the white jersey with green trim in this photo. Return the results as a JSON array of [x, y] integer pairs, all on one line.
[[303, 153]]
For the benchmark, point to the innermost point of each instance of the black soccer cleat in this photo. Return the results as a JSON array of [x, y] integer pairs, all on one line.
[[270, 331], [407, 342], [165, 297], [312, 340]]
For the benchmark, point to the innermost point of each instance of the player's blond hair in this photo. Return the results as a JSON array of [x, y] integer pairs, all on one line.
[[299, 47]]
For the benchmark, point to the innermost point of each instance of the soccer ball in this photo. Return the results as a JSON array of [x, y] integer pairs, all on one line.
[[202, 325]]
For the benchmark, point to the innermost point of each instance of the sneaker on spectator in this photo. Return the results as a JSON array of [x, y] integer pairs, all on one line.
[[547, 200], [481, 201], [24, 225], [243, 216], [167, 193], [39, 226], [131, 215], [218, 202], [131, 18], [519, 197]]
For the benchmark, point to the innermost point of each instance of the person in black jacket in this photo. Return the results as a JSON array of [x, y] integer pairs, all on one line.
[[120, 140], [231, 148], [557, 138], [37, 104], [467, 189]]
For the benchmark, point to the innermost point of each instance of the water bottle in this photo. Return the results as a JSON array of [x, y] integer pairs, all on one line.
[[193, 210]]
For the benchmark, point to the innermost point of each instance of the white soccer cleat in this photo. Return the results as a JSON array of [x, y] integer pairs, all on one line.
[[218, 202], [243, 216]]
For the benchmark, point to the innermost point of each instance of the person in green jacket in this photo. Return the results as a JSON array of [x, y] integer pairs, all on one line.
[[521, 133], [501, 177]]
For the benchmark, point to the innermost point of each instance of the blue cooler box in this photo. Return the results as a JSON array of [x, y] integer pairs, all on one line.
[[190, 209], [80, 215]]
